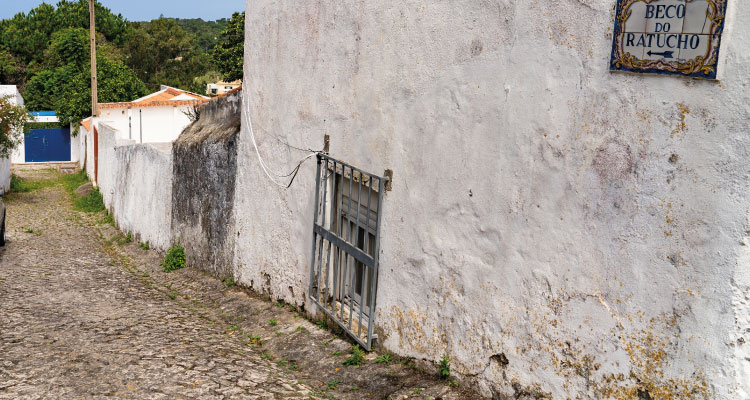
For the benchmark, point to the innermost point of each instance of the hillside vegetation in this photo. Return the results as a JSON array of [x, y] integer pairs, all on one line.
[[45, 52]]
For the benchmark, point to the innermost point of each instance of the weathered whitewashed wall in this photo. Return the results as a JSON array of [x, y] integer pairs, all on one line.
[[556, 228], [136, 181], [142, 202], [203, 186], [5, 174]]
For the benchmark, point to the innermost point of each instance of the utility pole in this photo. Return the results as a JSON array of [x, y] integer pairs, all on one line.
[[92, 34]]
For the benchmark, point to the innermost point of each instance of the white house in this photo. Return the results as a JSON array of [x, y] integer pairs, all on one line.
[[219, 88], [158, 117]]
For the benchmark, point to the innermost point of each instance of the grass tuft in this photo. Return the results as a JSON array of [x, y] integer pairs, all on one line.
[[92, 203], [21, 185]]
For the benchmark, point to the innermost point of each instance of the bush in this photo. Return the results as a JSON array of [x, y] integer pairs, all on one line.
[[92, 203], [174, 260]]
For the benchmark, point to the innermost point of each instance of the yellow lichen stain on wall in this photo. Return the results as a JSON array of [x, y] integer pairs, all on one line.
[[681, 124], [647, 350]]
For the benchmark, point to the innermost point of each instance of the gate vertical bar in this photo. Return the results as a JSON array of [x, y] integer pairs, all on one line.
[[359, 205], [334, 197], [376, 256], [367, 241], [315, 222]]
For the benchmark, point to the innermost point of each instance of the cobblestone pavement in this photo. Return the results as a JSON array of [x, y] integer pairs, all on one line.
[[84, 313], [74, 325]]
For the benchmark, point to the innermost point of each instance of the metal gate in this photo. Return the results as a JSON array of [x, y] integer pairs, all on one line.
[[344, 262], [41, 145]]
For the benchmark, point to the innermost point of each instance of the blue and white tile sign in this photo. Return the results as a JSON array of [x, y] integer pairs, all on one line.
[[677, 37]]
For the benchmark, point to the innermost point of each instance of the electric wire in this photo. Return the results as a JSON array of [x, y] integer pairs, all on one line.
[[270, 174]]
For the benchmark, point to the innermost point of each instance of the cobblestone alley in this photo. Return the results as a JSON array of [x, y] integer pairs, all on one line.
[[85, 314]]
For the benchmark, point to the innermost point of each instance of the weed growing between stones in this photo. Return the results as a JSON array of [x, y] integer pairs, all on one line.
[[125, 239], [229, 281], [445, 367], [272, 322], [106, 220], [357, 357], [145, 245], [384, 358], [174, 260]]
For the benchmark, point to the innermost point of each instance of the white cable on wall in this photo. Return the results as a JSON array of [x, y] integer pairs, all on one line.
[[266, 170]]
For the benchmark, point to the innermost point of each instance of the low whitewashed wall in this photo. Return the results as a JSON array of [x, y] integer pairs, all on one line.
[[556, 228], [107, 169], [5, 174], [135, 181], [142, 199]]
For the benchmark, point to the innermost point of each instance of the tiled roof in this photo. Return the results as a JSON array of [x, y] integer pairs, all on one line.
[[152, 104], [161, 98]]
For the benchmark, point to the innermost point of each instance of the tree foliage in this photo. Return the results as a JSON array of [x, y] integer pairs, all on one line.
[[13, 119], [229, 53], [45, 52]]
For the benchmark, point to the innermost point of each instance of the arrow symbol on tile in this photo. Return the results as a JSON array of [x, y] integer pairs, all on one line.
[[665, 54]]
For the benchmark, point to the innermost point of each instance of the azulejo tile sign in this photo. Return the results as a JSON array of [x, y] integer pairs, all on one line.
[[677, 37]]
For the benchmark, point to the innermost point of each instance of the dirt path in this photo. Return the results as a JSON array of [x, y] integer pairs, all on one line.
[[85, 315]]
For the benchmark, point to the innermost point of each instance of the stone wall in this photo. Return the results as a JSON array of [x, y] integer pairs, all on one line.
[[556, 228], [205, 164]]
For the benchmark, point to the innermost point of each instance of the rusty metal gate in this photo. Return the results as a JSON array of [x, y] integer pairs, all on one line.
[[344, 262]]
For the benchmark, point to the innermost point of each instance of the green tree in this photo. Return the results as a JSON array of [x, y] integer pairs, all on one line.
[[13, 119], [162, 53], [206, 32], [69, 46], [229, 53], [12, 70], [67, 89]]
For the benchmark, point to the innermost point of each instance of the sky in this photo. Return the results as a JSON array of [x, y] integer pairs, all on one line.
[[144, 10]]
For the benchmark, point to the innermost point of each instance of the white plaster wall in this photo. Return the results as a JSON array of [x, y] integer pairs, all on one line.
[[142, 198], [136, 185], [75, 145], [88, 142], [160, 124], [108, 164], [82, 147], [16, 98], [18, 154], [538, 214], [117, 119], [5, 174]]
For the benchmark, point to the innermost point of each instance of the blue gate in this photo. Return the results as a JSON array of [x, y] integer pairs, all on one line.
[[43, 145]]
